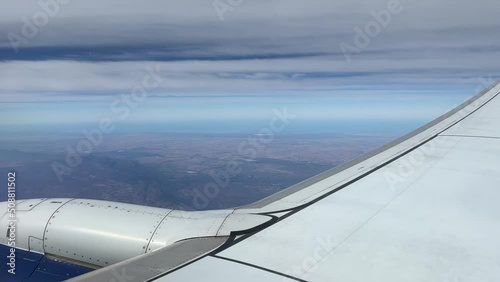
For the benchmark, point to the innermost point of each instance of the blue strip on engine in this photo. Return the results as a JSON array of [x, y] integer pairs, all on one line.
[[33, 267]]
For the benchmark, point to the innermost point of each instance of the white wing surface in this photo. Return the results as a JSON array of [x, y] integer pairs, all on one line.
[[423, 208]]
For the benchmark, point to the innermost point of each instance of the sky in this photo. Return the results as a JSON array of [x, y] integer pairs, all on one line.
[[69, 62]]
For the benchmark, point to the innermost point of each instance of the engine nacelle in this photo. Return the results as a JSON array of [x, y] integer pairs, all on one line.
[[101, 233]]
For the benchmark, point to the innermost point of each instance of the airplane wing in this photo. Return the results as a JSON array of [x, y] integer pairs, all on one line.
[[423, 208]]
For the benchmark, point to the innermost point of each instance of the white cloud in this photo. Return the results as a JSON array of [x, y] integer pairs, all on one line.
[[279, 46]]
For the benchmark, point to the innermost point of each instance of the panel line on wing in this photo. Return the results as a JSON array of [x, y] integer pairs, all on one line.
[[260, 268], [469, 136]]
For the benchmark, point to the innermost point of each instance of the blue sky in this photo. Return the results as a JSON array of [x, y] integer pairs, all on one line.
[[361, 113], [262, 55]]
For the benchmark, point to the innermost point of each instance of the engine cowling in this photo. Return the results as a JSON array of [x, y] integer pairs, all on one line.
[[101, 233]]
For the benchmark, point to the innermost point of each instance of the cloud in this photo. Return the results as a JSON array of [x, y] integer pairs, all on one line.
[[94, 48]]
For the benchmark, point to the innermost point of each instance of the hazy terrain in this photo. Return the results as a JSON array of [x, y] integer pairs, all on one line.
[[173, 170]]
